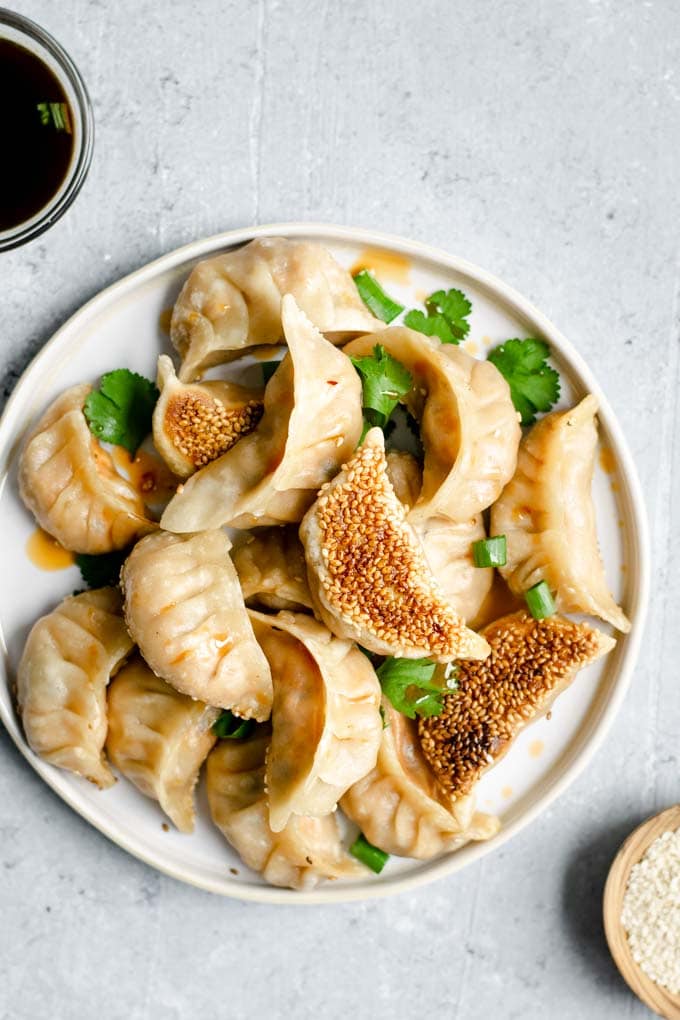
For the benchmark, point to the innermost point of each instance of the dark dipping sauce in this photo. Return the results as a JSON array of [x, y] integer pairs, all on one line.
[[36, 154]]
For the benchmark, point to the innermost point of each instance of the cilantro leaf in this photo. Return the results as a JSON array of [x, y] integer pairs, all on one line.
[[534, 385], [454, 307], [374, 297], [430, 325], [384, 381], [408, 685], [120, 410], [103, 570]]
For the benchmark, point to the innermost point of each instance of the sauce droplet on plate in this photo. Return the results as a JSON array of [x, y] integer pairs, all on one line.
[[536, 748], [387, 265], [507, 792], [46, 553], [607, 460], [164, 320]]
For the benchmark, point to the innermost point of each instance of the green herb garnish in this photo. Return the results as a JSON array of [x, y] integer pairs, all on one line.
[[384, 380], [375, 298], [490, 552], [231, 727], [55, 114], [368, 854], [534, 385], [540, 601], [407, 683], [446, 316], [120, 410], [103, 570]]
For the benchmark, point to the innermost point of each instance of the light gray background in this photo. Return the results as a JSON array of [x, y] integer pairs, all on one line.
[[540, 140]]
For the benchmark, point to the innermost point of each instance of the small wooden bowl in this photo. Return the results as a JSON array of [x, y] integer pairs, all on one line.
[[657, 998]]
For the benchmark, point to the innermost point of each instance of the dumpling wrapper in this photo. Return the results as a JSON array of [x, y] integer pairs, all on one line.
[[195, 423], [548, 517], [367, 571], [68, 482], [468, 424], [159, 738], [399, 805], [232, 301], [447, 544], [185, 611], [326, 722], [306, 851], [312, 422], [271, 567], [67, 661]]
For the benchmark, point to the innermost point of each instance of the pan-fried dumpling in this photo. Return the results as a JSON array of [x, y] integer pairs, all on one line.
[[400, 807], [67, 662], [232, 301], [185, 611], [271, 568], [68, 481], [306, 851], [159, 739], [447, 543], [195, 423], [312, 423], [468, 423], [326, 722], [531, 663], [367, 572], [547, 515]]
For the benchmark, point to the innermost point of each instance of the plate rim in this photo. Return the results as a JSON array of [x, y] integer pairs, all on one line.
[[446, 865]]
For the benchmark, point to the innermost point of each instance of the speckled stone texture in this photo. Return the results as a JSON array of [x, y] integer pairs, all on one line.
[[541, 140]]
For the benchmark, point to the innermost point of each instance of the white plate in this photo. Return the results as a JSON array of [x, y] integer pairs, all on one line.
[[121, 327]]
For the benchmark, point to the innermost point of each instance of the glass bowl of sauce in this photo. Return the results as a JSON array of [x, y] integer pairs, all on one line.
[[48, 130]]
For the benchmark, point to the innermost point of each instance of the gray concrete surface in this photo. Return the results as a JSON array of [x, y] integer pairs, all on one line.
[[539, 139]]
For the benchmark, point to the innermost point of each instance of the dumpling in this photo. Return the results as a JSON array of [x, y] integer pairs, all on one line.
[[548, 518], [271, 568], [326, 722], [367, 572], [312, 423], [232, 301], [447, 544], [185, 611], [68, 481], [469, 426], [531, 663], [400, 807], [306, 851], [195, 423], [67, 662], [159, 739]]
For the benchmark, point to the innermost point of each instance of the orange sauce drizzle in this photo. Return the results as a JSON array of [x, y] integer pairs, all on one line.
[[46, 553], [536, 748], [472, 347], [387, 265], [507, 792], [499, 602], [148, 474], [164, 320], [607, 460]]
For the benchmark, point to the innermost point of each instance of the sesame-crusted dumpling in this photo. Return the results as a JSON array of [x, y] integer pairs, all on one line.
[[468, 423], [67, 661], [368, 575], [69, 483], [326, 722], [447, 544], [312, 422], [548, 517], [159, 738], [185, 611], [271, 568], [400, 807], [304, 852], [531, 663], [194, 423], [232, 301]]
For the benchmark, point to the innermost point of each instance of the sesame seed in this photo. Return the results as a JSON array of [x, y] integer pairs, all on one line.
[[200, 426]]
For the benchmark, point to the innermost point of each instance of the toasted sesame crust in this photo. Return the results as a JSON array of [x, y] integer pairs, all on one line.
[[201, 428], [368, 573], [531, 662]]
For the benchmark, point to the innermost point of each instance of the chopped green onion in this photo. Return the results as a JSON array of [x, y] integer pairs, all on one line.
[[375, 298], [368, 854], [268, 369], [540, 601], [231, 727], [490, 552], [56, 114]]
